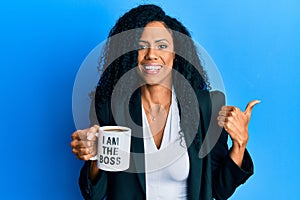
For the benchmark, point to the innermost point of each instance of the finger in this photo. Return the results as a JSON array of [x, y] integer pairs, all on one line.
[[226, 113], [77, 144], [223, 113], [82, 134], [229, 109], [250, 106], [221, 123], [221, 118], [75, 135], [229, 113], [224, 120], [82, 156], [84, 152], [91, 132]]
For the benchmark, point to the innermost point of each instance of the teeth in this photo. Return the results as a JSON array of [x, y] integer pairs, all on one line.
[[152, 67]]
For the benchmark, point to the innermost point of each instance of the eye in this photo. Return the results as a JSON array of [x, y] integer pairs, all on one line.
[[162, 46], [143, 47]]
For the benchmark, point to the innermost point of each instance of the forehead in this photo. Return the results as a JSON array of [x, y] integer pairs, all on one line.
[[156, 30]]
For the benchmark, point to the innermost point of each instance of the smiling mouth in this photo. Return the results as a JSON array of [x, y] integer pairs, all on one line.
[[151, 69]]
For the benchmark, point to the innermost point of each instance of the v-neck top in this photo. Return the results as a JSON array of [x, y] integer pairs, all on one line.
[[167, 168]]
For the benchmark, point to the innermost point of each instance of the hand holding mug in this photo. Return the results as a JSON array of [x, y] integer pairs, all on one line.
[[84, 143], [109, 145]]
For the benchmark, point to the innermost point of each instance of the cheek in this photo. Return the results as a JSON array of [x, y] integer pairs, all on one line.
[[170, 60], [139, 59], [140, 56]]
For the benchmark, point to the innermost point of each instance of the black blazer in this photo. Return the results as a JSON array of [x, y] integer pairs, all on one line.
[[213, 176]]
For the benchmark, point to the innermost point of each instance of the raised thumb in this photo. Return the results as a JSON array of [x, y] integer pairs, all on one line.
[[250, 106]]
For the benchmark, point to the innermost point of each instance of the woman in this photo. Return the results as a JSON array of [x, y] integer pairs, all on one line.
[[164, 100]]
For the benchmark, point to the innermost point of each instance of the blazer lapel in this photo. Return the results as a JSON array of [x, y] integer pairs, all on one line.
[[194, 183], [194, 179], [137, 142]]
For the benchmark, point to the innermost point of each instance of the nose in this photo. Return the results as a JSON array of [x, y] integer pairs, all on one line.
[[151, 54]]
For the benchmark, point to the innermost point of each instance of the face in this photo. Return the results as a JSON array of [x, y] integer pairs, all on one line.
[[156, 54]]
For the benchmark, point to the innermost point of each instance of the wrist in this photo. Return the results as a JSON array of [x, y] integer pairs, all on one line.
[[238, 146], [94, 170], [237, 154]]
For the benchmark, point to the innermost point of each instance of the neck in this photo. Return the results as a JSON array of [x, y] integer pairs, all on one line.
[[156, 95]]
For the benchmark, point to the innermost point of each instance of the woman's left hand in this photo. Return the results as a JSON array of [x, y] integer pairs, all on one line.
[[235, 122]]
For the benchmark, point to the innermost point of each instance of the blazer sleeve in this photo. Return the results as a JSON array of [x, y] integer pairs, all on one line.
[[95, 190], [227, 175]]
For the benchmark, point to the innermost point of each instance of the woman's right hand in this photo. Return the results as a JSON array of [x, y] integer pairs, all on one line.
[[84, 143]]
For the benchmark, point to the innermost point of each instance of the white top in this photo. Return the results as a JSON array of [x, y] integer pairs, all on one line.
[[167, 168]]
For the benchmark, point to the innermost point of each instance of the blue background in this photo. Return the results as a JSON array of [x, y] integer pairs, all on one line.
[[255, 45]]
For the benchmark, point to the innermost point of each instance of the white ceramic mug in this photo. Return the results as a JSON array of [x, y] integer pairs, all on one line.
[[113, 151]]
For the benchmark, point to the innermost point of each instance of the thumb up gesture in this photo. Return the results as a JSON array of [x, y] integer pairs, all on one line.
[[235, 122]]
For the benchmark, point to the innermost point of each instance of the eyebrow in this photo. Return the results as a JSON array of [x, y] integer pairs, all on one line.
[[156, 41]]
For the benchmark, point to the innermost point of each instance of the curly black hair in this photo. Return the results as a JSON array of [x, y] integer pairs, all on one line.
[[120, 53], [121, 50]]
